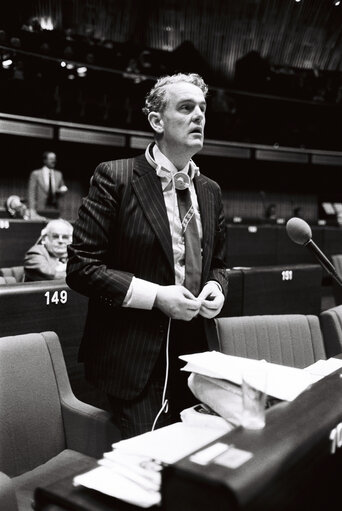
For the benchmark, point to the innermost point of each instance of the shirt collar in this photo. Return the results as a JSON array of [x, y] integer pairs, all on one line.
[[165, 168]]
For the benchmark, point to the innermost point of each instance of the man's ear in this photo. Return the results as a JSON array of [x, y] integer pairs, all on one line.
[[156, 122], [42, 237]]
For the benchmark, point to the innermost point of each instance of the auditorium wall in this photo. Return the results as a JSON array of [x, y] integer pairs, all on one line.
[[249, 186]]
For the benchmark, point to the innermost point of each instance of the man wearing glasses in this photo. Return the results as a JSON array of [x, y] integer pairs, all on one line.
[[46, 260]]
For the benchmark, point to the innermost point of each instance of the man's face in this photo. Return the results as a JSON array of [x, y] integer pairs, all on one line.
[[50, 160], [57, 239], [16, 208], [20, 210], [183, 118]]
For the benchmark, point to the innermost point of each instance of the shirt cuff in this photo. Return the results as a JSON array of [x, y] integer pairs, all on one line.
[[217, 283], [141, 294]]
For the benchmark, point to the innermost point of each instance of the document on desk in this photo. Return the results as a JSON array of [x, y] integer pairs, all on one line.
[[112, 483], [132, 470], [324, 367], [169, 444], [283, 382]]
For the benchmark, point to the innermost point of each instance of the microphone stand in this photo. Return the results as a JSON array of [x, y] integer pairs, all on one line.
[[323, 260]]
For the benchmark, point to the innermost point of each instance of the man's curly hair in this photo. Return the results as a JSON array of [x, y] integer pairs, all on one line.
[[156, 99]]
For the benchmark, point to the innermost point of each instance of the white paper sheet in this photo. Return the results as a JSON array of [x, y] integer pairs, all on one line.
[[283, 382], [324, 367], [116, 485], [171, 443], [128, 472]]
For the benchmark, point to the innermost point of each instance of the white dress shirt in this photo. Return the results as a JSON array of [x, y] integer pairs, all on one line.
[[142, 293], [46, 177], [170, 198]]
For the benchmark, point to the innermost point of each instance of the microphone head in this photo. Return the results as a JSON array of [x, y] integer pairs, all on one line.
[[298, 231]]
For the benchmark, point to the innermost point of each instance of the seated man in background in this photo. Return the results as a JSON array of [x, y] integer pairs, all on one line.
[[16, 208], [46, 260]]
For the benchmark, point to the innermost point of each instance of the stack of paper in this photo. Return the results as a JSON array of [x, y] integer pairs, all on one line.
[[132, 470], [283, 382]]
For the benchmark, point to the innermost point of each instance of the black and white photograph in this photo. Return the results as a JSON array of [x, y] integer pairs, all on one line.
[[170, 255]]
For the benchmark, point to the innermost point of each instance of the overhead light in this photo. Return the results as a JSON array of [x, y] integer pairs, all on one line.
[[82, 71], [63, 64], [7, 63], [337, 2], [46, 23], [70, 66]]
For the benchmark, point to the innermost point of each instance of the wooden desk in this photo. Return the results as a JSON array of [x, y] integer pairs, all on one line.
[[276, 289], [255, 244], [289, 252], [331, 240], [283, 289], [292, 466], [251, 245], [16, 237], [233, 305]]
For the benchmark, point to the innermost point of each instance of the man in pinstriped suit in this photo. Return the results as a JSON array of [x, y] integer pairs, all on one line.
[[128, 255]]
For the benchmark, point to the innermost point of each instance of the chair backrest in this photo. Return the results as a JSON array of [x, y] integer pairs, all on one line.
[[17, 272], [336, 288], [337, 262], [31, 425], [289, 339], [331, 326], [4, 281]]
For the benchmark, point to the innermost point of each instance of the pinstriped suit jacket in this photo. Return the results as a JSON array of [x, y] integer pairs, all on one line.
[[123, 230]]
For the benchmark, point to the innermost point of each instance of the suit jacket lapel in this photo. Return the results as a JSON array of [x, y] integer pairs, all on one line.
[[148, 190], [207, 209]]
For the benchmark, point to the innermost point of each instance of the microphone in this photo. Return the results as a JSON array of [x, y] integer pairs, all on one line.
[[300, 232]]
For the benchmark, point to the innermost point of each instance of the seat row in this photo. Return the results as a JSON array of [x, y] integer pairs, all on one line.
[[51, 305], [12, 275], [246, 245], [276, 289], [295, 340]]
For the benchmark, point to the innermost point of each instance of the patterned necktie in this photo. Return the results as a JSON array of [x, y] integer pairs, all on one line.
[[193, 259]]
